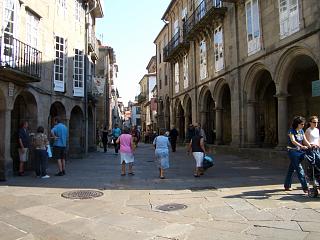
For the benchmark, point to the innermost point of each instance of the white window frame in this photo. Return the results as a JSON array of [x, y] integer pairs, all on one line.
[[203, 60], [218, 49], [8, 52], [77, 10], [32, 30], [184, 13], [253, 26], [176, 77], [78, 73], [62, 7], [185, 71], [59, 64], [288, 17]]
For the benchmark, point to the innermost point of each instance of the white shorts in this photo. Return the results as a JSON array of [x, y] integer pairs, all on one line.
[[198, 156], [23, 154], [126, 157]]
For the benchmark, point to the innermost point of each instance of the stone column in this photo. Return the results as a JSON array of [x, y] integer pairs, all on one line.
[[5, 156], [202, 119], [282, 121], [251, 123], [218, 125]]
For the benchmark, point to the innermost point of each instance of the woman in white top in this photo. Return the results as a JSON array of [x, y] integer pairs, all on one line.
[[312, 133]]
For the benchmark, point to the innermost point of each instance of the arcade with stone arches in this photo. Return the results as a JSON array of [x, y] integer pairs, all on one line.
[[273, 100]]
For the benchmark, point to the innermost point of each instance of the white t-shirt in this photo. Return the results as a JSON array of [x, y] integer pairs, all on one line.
[[313, 135]]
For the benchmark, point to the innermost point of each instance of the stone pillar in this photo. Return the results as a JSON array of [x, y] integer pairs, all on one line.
[[282, 121], [251, 123], [218, 125], [5, 156], [202, 119]]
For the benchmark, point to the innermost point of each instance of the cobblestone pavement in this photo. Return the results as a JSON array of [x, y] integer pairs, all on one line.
[[236, 199]]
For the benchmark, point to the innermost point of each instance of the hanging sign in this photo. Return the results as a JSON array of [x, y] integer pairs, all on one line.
[[316, 88]]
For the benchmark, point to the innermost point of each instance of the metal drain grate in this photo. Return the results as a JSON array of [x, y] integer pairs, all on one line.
[[172, 207], [81, 194]]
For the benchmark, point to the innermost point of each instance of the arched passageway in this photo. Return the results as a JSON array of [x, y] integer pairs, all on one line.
[[226, 135], [57, 110], [3, 133], [76, 133], [297, 72], [24, 109], [188, 114], [208, 117], [180, 121], [267, 111]]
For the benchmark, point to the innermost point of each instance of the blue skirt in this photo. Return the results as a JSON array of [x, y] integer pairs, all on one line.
[[162, 158]]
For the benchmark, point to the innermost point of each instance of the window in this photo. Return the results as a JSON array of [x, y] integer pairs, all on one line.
[[176, 77], [165, 75], [9, 26], [184, 14], [77, 10], [288, 17], [78, 70], [59, 64], [185, 71], [160, 78], [62, 7], [175, 28], [200, 9], [32, 30], [203, 60], [138, 110], [218, 49], [253, 26]]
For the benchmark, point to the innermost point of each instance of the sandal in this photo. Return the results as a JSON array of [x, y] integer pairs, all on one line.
[[131, 173], [162, 177], [196, 175]]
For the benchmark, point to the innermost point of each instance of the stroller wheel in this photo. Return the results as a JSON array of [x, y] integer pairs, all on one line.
[[313, 192]]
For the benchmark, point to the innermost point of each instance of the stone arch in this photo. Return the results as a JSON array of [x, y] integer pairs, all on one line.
[[297, 69], [187, 102], [76, 133], [57, 109], [285, 71], [179, 119], [261, 107], [222, 95], [207, 114], [3, 133], [24, 109]]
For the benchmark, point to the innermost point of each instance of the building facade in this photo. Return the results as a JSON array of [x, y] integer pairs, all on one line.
[[46, 70], [242, 69]]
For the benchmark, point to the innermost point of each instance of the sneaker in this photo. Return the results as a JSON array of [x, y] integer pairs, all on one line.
[[59, 174], [45, 176], [288, 189]]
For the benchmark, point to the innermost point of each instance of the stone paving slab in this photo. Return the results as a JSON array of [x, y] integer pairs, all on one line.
[[237, 199]]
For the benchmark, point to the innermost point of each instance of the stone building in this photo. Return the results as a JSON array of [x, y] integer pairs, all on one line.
[[46, 70], [107, 69], [147, 83], [241, 68]]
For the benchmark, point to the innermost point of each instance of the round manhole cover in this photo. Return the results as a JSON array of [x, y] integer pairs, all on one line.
[[82, 194], [172, 207]]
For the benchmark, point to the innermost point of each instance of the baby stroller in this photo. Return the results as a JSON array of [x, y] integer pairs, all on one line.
[[312, 160]]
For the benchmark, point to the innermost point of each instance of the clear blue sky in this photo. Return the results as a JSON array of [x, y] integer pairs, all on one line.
[[130, 27]]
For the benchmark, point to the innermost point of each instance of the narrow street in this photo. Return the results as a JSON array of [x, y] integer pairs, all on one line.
[[236, 199]]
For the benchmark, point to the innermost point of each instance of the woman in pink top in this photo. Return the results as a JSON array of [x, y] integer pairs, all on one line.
[[126, 152]]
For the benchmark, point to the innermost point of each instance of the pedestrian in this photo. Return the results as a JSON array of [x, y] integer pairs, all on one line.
[[297, 144], [135, 136], [190, 133], [312, 132], [162, 144], [24, 144], [40, 143], [60, 134], [105, 134], [196, 146], [125, 141], [116, 132], [173, 138], [202, 132]]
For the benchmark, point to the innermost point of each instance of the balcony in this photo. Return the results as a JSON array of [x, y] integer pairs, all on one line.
[[203, 17], [142, 97], [175, 47], [19, 62]]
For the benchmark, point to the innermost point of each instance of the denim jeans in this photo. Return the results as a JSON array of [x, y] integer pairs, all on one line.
[[295, 165], [41, 162]]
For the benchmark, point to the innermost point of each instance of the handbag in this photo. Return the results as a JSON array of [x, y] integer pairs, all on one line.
[[208, 162]]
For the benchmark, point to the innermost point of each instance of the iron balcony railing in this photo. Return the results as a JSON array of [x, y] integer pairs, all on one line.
[[19, 56], [172, 45], [200, 12]]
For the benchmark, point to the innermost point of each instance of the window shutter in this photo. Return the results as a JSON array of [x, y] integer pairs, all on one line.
[[293, 16], [284, 17], [185, 71], [176, 77], [203, 60]]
